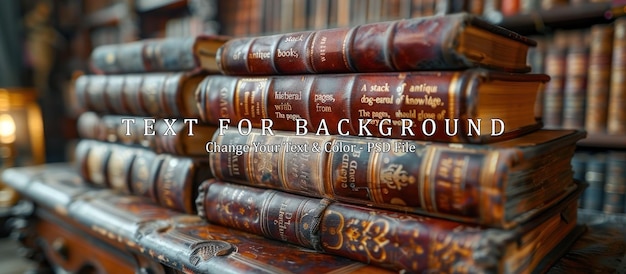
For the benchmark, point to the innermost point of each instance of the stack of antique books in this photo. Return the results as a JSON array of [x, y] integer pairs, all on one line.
[[410, 145]]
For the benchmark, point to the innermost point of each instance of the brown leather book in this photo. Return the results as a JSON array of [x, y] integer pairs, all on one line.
[[499, 185], [575, 88], [454, 41], [555, 66], [398, 241], [422, 105], [166, 95], [141, 236], [599, 77], [616, 117], [158, 55], [168, 180], [179, 136]]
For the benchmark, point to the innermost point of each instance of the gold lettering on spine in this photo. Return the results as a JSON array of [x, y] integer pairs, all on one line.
[[283, 220]]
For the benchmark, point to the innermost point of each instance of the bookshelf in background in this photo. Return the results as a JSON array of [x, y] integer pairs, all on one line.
[[574, 38]]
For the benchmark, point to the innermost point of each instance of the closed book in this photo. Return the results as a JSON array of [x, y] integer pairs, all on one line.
[[149, 237], [615, 183], [395, 240], [454, 41], [616, 117], [166, 95], [469, 106], [179, 136], [499, 185], [158, 55], [575, 89], [599, 77], [595, 176], [555, 66], [168, 180]]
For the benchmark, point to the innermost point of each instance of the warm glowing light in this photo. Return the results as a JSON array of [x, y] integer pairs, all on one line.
[[7, 129]]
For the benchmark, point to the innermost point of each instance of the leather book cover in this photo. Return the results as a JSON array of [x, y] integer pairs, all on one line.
[[166, 95], [447, 42], [599, 77], [484, 184], [158, 55], [179, 136], [394, 240], [168, 180], [466, 106]]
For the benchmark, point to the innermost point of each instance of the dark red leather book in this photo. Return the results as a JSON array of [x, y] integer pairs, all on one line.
[[469, 106], [398, 241], [499, 185], [455, 41]]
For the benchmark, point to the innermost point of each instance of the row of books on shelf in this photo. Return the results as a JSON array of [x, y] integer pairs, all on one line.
[[605, 172], [413, 147], [253, 17], [587, 69]]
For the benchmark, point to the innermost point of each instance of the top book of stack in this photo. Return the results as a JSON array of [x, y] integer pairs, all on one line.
[[451, 42]]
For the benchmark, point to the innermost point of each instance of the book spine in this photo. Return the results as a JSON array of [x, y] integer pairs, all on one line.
[[616, 119], [417, 106], [389, 239], [92, 160], [156, 55], [398, 241], [349, 49], [575, 89], [615, 186], [155, 94], [595, 175], [553, 92], [170, 135], [392, 174], [167, 180], [171, 54], [599, 77]]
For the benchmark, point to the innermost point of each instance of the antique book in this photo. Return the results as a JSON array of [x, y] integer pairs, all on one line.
[[158, 55], [616, 117], [499, 185], [555, 66], [615, 183], [179, 136], [456, 41], [148, 237], [552, 115], [473, 105], [168, 180], [395, 240], [599, 77], [595, 176], [166, 95], [575, 88]]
